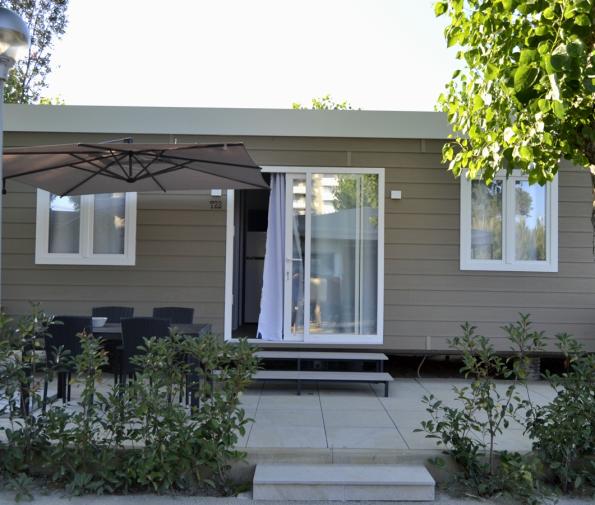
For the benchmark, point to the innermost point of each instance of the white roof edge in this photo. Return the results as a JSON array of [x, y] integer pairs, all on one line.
[[220, 121]]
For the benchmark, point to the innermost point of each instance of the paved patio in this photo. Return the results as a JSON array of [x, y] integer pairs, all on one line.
[[329, 417], [357, 416]]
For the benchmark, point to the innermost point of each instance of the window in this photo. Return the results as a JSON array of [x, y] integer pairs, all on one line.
[[86, 230], [509, 225]]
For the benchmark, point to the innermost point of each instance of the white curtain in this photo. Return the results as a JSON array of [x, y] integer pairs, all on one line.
[[270, 320]]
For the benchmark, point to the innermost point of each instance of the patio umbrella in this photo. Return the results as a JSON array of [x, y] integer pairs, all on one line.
[[79, 169]]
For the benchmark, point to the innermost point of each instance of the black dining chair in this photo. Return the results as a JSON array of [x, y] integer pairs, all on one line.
[[175, 315], [134, 330], [113, 313], [64, 333]]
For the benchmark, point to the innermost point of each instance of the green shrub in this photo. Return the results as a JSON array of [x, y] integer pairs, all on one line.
[[563, 431], [468, 431], [136, 436]]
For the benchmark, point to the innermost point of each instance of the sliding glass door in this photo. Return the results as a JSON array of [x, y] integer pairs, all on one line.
[[333, 257]]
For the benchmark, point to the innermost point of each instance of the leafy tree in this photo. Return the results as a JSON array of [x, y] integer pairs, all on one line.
[[47, 21], [325, 102], [525, 95]]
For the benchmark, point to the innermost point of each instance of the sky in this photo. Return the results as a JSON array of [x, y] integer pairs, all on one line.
[[376, 54]]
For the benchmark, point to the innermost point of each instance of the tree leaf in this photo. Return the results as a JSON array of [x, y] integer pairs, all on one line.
[[526, 153], [582, 20], [524, 77], [559, 109], [440, 8], [549, 13]]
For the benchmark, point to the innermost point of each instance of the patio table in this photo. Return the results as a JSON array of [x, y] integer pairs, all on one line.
[[113, 331]]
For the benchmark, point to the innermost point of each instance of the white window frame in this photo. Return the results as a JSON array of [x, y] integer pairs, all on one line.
[[378, 337], [508, 261], [85, 256]]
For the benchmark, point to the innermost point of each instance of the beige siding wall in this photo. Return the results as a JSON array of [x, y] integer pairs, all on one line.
[[181, 247]]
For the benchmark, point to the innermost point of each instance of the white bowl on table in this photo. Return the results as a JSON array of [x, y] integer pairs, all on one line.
[[98, 322]]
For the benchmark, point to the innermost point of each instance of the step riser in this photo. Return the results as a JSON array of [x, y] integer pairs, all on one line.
[[342, 482], [343, 492]]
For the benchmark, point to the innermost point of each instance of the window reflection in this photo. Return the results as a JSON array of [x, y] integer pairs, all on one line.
[[486, 220], [344, 254], [109, 223], [64, 225], [530, 223]]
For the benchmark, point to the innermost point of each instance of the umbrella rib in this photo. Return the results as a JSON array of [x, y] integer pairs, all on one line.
[[117, 161], [185, 164], [106, 172], [100, 172], [146, 169], [172, 168]]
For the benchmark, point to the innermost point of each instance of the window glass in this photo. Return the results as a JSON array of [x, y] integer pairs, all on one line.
[[530, 223], [64, 224], [109, 222], [486, 220], [298, 259], [344, 252]]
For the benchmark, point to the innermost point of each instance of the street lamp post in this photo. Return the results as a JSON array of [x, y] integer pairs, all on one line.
[[14, 43]]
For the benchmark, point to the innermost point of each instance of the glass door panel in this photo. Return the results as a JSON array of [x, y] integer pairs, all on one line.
[[295, 257], [343, 254], [331, 250]]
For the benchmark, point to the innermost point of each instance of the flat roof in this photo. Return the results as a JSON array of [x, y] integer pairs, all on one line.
[[220, 121]]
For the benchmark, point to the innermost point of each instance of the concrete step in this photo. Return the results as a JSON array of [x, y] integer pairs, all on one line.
[[293, 375], [343, 482], [299, 377]]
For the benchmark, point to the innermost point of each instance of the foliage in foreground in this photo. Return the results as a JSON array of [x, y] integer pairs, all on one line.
[[562, 432], [138, 436], [47, 21], [524, 96]]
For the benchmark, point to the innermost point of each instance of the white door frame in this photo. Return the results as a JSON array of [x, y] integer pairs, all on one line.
[[376, 339]]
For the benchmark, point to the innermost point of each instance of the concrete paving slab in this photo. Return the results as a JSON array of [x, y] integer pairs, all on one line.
[[418, 441], [405, 404], [347, 389], [267, 435], [344, 402], [408, 418], [356, 419], [249, 402], [372, 438], [288, 387], [290, 417], [289, 402]]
